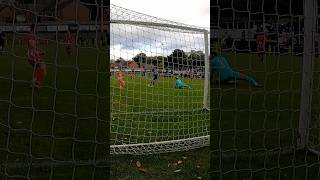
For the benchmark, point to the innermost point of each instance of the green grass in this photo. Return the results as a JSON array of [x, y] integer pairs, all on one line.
[[61, 129], [142, 114], [254, 131], [57, 130]]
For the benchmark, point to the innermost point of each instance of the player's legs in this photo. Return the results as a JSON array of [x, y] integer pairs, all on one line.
[[131, 75], [226, 77], [39, 74], [35, 76], [248, 78], [232, 76], [153, 81], [261, 56], [39, 77], [122, 84], [68, 48], [184, 86]]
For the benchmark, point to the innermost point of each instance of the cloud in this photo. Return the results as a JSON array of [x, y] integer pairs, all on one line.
[[127, 41], [193, 12]]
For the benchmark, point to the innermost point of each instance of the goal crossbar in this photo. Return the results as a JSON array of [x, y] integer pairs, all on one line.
[[161, 25]]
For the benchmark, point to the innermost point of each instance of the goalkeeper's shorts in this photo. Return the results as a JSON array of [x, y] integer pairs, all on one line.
[[229, 75], [183, 86]]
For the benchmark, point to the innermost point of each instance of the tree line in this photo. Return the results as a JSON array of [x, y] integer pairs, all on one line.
[[178, 59]]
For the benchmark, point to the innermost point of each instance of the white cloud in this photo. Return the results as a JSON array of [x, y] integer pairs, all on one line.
[[192, 12], [129, 40]]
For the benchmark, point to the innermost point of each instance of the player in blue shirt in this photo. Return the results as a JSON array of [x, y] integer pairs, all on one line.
[[221, 67], [180, 84], [155, 76]]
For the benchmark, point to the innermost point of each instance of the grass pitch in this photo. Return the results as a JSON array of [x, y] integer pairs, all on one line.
[[55, 132], [143, 114], [254, 131], [59, 131]]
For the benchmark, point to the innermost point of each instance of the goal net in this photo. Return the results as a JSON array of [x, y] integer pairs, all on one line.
[[53, 126], [262, 132], [150, 114]]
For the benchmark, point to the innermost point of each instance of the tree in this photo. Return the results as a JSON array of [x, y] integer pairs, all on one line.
[[120, 62], [196, 58], [159, 61], [140, 59], [177, 58]]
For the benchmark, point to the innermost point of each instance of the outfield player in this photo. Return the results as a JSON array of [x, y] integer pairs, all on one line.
[[68, 42], [132, 65], [221, 68], [180, 84], [35, 58], [261, 44], [131, 74], [143, 71], [155, 76], [120, 77]]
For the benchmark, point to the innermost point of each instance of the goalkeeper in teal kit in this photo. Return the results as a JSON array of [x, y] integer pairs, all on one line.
[[221, 67], [180, 84]]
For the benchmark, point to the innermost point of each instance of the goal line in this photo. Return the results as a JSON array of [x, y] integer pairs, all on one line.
[[160, 111], [161, 147]]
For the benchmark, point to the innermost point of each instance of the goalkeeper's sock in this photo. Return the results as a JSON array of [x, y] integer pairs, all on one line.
[[251, 80]]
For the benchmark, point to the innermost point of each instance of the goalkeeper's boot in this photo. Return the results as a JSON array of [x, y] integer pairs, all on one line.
[[258, 85]]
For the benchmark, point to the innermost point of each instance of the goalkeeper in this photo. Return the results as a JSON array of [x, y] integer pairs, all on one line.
[[180, 84], [221, 68]]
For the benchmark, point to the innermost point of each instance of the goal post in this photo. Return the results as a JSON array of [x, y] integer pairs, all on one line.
[[311, 63], [310, 10], [309, 122], [277, 44], [207, 71], [150, 114]]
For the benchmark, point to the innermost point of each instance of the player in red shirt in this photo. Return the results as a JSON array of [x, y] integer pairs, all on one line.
[[35, 57], [120, 77], [261, 44], [131, 74], [143, 71], [68, 42]]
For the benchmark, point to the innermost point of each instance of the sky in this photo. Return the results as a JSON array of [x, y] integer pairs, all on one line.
[[128, 41], [192, 12]]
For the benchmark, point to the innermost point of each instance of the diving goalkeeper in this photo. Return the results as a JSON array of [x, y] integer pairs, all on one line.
[[180, 84], [226, 75]]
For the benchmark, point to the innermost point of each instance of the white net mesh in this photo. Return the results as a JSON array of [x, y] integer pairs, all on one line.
[[58, 130], [255, 130], [149, 114]]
